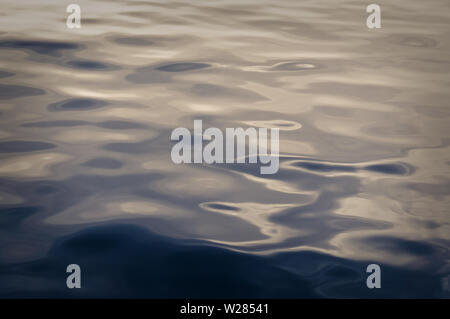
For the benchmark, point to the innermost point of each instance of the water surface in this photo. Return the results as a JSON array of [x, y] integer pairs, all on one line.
[[85, 169]]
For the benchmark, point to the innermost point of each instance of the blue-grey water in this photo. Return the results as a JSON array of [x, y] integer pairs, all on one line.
[[85, 170]]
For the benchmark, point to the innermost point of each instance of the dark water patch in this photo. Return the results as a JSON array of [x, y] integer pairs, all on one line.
[[90, 65], [8, 92], [24, 146], [221, 207], [41, 47], [43, 189], [430, 224], [120, 125], [11, 218], [58, 123], [313, 166], [342, 272], [400, 246], [182, 67], [77, 104], [98, 21], [104, 162], [217, 91], [161, 73], [414, 41], [5, 74], [336, 277], [241, 11], [105, 254], [392, 169]]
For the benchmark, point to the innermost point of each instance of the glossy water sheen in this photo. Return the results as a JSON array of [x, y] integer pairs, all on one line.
[[85, 170]]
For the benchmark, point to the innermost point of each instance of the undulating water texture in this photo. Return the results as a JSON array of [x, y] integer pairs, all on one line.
[[86, 175]]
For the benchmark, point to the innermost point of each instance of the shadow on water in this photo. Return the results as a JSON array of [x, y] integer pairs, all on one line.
[[24, 146], [160, 73], [11, 218], [8, 92], [385, 168], [5, 74], [90, 65], [124, 261], [76, 105], [182, 67], [49, 48]]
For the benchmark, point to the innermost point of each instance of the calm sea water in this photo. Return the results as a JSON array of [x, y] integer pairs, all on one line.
[[86, 176]]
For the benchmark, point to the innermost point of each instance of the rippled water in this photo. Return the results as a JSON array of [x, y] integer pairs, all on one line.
[[85, 169]]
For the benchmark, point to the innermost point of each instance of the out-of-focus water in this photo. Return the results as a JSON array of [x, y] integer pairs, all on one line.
[[85, 169]]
